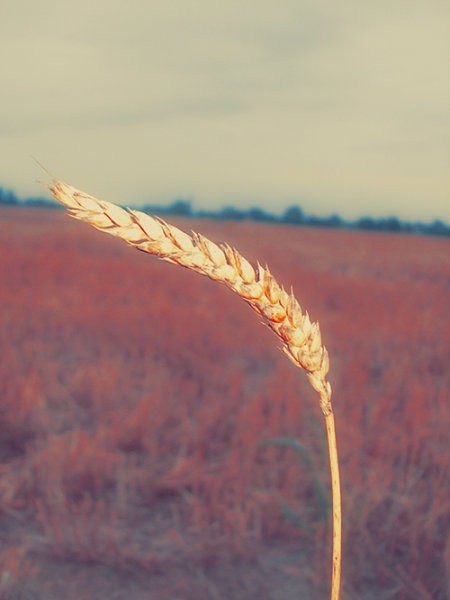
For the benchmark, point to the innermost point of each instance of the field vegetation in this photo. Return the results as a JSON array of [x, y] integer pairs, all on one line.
[[154, 443]]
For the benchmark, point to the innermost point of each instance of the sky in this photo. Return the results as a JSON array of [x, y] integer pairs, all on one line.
[[337, 106]]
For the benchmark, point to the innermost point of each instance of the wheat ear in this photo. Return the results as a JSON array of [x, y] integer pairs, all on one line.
[[279, 309]]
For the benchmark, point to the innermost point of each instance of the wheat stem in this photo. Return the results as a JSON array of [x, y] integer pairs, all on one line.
[[337, 508], [279, 309]]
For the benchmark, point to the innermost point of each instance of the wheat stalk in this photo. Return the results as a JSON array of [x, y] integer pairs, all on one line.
[[301, 339]]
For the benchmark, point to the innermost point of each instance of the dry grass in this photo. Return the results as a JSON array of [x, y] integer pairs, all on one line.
[[279, 309]]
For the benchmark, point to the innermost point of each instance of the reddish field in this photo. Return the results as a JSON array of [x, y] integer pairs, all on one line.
[[137, 401]]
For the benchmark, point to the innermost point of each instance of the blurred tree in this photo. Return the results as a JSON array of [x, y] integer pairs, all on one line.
[[8, 197], [181, 208], [258, 214], [367, 223], [293, 214], [230, 213]]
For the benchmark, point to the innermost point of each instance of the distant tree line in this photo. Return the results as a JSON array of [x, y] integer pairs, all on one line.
[[293, 215], [9, 198]]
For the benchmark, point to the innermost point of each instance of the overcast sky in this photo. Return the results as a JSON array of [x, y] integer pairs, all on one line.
[[339, 106]]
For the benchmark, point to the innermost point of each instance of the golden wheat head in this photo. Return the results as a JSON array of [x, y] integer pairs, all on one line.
[[280, 310]]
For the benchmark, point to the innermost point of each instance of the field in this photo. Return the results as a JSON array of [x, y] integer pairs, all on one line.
[[148, 420]]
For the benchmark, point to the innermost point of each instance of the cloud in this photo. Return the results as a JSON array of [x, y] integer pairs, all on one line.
[[343, 103]]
